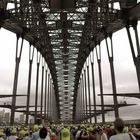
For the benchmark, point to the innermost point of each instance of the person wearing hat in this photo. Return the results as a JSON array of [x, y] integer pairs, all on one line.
[[79, 132], [21, 134], [26, 135], [138, 135], [35, 134], [91, 133], [53, 136], [43, 134], [1, 135], [102, 134], [85, 135], [8, 132], [65, 134], [13, 136], [119, 127]]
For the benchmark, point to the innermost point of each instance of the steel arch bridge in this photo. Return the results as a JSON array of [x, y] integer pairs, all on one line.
[[65, 32]]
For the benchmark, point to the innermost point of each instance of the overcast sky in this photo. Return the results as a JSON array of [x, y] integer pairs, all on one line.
[[125, 72]]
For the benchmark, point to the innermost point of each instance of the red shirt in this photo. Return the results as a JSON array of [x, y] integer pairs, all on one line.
[[53, 138]]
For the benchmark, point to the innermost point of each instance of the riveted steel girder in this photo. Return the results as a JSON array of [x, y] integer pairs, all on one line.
[[65, 32]]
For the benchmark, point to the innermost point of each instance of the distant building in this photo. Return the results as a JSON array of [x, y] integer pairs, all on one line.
[[17, 120], [2, 114], [7, 117], [21, 119], [31, 121]]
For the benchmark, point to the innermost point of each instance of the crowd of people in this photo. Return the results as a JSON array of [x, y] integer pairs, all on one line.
[[116, 131]]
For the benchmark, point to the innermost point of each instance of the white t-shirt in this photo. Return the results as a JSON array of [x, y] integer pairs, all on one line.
[[78, 133], [47, 138], [122, 136], [104, 137], [1, 138], [12, 137]]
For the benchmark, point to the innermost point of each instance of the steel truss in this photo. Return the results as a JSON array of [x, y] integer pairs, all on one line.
[[65, 33]]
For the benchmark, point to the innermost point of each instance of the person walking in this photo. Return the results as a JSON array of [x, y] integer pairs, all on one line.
[[65, 134], [43, 134], [119, 126]]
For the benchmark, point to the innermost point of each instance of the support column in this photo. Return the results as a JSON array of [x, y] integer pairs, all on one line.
[[89, 94], [37, 80], [98, 54], [136, 59], [78, 105], [93, 88], [48, 95], [18, 58], [54, 110], [50, 98], [16, 7], [31, 55], [81, 99], [84, 111], [52, 103], [42, 86], [110, 58], [45, 102], [85, 93]]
